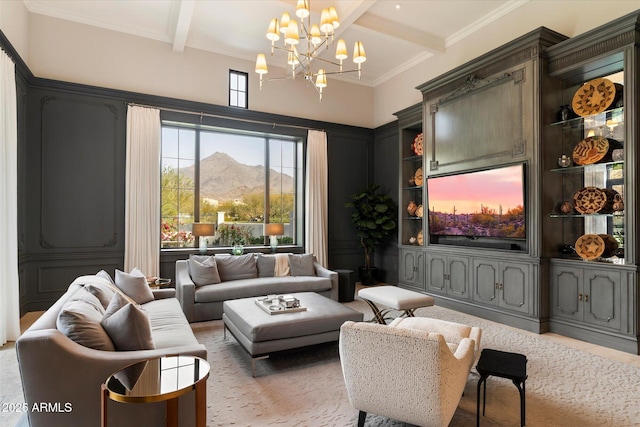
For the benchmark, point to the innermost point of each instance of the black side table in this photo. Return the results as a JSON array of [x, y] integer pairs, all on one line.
[[346, 285], [502, 364]]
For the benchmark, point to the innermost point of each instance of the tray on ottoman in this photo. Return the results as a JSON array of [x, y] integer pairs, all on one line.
[[261, 334]]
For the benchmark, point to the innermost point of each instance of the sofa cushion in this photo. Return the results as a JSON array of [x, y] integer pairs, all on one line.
[[102, 292], [236, 267], [135, 285], [79, 320], [128, 325], [302, 265], [266, 265], [203, 270], [168, 325], [261, 286]]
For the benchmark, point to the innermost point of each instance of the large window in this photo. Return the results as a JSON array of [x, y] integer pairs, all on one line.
[[233, 180]]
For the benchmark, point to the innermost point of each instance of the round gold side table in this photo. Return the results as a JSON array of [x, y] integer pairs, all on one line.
[[157, 380]]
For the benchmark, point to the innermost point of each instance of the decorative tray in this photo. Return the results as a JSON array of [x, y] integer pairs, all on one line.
[[279, 304]]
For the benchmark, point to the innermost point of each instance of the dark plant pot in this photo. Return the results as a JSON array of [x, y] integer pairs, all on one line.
[[368, 277]]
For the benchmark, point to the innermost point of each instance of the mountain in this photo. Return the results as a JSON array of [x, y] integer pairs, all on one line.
[[224, 178]]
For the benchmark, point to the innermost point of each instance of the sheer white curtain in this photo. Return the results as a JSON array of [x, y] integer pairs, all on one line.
[[316, 228], [142, 193], [9, 285]]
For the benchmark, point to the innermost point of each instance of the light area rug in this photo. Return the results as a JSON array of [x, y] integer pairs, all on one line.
[[566, 387]]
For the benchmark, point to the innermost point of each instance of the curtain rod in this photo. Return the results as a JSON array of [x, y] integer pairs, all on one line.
[[218, 116]]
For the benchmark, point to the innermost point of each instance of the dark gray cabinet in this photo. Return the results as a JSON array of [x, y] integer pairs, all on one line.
[[448, 275], [412, 268], [588, 297], [503, 284], [595, 300]]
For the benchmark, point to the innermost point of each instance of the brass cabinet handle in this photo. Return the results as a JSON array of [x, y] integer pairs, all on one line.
[[579, 297], [586, 297]]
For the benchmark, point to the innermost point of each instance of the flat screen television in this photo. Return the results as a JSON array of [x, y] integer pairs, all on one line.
[[484, 205]]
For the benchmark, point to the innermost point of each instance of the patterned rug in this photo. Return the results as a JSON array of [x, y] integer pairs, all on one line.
[[304, 387]]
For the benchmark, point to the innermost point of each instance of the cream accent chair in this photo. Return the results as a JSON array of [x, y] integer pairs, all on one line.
[[404, 374], [452, 332]]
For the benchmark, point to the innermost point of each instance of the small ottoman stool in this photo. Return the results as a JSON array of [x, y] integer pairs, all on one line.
[[395, 298], [501, 364]]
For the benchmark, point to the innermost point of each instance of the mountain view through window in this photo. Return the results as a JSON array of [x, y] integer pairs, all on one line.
[[237, 182]]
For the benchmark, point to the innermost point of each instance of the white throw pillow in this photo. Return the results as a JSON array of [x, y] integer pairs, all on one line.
[[128, 325], [134, 285]]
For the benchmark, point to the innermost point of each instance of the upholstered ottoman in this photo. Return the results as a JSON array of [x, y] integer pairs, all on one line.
[[261, 333], [395, 298]]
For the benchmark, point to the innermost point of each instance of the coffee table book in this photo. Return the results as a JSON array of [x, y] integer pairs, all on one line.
[[280, 308]]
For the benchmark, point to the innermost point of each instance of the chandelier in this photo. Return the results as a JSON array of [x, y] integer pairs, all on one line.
[[317, 38]]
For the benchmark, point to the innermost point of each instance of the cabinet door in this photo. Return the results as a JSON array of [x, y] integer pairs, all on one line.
[[412, 268], [458, 275], [485, 274], [514, 286], [602, 298], [437, 269], [566, 292]]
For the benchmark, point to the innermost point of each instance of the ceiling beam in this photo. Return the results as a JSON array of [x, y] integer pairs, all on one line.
[[380, 25], [183, 24]]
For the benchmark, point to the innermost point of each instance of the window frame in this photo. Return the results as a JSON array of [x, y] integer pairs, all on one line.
[[297, 222], [238, 74]]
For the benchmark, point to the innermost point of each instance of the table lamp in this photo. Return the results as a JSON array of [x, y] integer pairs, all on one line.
[[202, 231], [273, 230]]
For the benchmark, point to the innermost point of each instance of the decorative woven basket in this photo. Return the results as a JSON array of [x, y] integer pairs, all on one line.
[[590, 246], [593, 246], [591, 200], [594, 149], [594, 97]]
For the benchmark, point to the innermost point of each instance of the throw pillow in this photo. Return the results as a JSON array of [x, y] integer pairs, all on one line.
[[302, 265], [134, 285], [203, 270], [104, 275], [79, 320], [266, 265], [236, 267], [128, 325], [102, 292]]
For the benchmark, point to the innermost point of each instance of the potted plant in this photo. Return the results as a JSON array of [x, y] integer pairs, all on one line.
[[374, 216]]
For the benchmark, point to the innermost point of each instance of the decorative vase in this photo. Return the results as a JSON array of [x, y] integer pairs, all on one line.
[[237, 250], [564, 161], [565, 113], [566, 207]]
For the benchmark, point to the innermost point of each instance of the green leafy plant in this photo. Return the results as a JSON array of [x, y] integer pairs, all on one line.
[[375, 217]]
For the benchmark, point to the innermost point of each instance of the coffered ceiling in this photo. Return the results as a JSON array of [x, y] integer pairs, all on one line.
[[397, 34]]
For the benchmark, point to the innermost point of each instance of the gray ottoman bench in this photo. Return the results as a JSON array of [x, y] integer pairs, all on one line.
[[261, 333]]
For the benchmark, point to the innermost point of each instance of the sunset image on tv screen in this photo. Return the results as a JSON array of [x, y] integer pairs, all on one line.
[[484, 203]]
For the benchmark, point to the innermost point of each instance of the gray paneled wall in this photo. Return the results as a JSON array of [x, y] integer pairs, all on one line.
[[72, 145]]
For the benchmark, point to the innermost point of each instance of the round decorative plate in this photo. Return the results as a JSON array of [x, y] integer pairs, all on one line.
[[590, 246], [417, 144], [417, 177], [589, 200], [420, 237], [593, 97], [590, 150]]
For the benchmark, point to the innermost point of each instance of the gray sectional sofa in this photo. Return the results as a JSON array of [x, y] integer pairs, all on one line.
[[201, 293], [57, 370]]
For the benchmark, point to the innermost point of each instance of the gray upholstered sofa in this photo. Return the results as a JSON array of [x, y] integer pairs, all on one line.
[[59, 373], [249, 275]]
